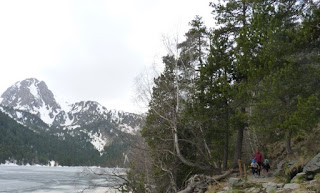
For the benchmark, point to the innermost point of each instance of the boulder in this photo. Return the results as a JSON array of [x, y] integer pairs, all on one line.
[[252, 190], [226, 188], [313, 166], [280, 185], [299, 177], [234, 181], [310, 177], [291, 186], [279, 168], [270, 186], [313, 182]]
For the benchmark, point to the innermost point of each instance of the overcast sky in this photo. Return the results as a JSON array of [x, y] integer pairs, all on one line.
[[89, 49]]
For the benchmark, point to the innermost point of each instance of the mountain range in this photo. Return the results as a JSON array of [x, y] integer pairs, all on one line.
[[34, 106]]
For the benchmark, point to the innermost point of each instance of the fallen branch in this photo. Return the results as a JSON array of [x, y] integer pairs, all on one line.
[[199, 183]]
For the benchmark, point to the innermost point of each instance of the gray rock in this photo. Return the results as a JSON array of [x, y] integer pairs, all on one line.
[[280, 185], [310, 177], [253, 190], [313, 182], [271, 187], [226, 188], [234, 181], [291, 163], [302, 175], [280, 190], [299, 177], [291, 186], [313, 166], [279, 167]]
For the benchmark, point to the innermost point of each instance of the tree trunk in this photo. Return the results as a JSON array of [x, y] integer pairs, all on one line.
[[226, 151], [226, 145], [182, 158], [238, 148], [288, 142], [175, 128], [237, 154]]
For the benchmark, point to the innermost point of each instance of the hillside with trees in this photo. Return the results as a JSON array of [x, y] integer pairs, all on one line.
[[29, 146], [252, 81]]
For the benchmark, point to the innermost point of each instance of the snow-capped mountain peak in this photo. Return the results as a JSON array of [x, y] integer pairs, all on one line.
[[30, 102], [33, 96]]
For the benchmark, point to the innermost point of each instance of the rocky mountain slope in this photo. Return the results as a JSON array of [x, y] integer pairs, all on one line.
[[32, 104], [34, 97]]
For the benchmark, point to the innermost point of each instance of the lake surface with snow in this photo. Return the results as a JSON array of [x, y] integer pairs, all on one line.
[[56, 179]]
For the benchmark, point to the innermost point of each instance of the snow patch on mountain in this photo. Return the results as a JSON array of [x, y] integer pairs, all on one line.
[[12, 117], [34, 90], [45, 112], [68, 121], [71, 127], [115, 116], [19, 115], [5, 112], [128, 129], [98, 141]]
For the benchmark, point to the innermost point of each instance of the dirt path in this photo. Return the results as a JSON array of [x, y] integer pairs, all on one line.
[[261, 179]]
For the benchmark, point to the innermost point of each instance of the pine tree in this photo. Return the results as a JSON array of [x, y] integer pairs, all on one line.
[[234, 18]]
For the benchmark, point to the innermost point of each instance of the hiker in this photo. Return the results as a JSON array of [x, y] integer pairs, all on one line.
[[254, 166], [259, 159], [266, 166]]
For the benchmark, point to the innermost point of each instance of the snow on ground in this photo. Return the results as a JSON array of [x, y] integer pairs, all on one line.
[[51, 163], [8, 163]]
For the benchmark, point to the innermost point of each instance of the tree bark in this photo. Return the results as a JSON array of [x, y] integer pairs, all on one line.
[[238, 148], [288, 142], [226, 145]]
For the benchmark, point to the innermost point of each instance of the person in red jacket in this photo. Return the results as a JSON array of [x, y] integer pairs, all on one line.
[[259, 159]]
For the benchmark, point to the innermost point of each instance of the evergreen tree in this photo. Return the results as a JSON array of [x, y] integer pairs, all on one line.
[[234, 19]]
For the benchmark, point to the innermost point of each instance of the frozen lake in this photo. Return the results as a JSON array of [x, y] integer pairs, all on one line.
[[55, 179]]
